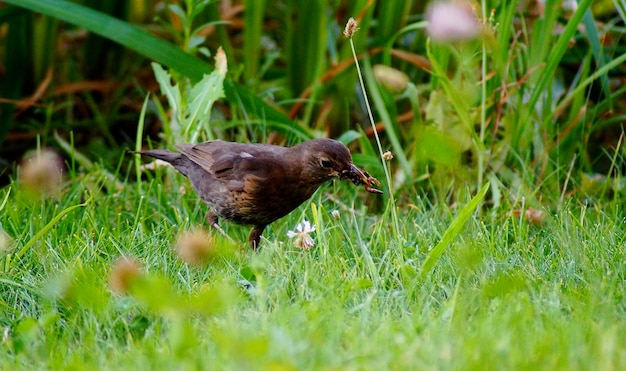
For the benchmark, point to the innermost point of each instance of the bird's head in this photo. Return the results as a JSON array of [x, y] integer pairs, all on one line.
[[328, 158]]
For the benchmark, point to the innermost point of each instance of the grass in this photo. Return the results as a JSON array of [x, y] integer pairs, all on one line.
[[506, 294]]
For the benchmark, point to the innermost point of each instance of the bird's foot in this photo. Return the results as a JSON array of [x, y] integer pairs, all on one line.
[[222, 232], [211, 218], [255, 236]]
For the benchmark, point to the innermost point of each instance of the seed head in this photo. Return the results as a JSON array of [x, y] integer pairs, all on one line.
[[351, 28]]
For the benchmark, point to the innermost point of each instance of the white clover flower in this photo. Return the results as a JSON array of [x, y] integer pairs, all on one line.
[[303, 240]]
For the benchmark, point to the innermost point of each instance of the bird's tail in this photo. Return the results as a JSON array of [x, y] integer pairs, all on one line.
[[161, 154], [177, 160]]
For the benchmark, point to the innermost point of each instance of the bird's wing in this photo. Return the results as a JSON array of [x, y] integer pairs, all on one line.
[[204, 154], [232, 163]]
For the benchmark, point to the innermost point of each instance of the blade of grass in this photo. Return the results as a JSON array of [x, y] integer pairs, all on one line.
[[306, 49], [49, 226], [597, 49], [586, 82], [253, 28], [392, 203], [391, 17], [4, 202], [453, 230], [140, 124], [557, 52]]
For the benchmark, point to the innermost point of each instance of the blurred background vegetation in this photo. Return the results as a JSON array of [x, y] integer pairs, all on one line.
[[535, 105]]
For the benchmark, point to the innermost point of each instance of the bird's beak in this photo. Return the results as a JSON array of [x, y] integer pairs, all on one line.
[[357, 176]]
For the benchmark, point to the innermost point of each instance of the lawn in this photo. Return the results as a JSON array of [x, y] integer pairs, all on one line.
[[507, 293]]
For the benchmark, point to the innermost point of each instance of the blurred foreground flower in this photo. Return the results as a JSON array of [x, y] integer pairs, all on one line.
[[123, 274], [221, 64], [42, 173], [452, 21], [195, 247], [531, 215], [303, 240], [392, 79], [153, 165], [6, 242]]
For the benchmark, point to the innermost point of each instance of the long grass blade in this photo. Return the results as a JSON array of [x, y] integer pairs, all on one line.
[[557, 52], [455, 228], [49, 226]]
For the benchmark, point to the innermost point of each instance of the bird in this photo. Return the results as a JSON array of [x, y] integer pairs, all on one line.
[[256, 184]]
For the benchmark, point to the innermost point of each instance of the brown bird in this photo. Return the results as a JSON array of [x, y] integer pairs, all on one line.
[[255, 184]]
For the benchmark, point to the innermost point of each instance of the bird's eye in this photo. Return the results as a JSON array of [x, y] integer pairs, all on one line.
[[326, 163]]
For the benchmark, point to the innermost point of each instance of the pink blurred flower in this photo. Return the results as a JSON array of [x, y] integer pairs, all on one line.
[[452, 21]]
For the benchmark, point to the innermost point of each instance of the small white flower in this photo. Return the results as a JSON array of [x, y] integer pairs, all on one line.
[[303, 240]]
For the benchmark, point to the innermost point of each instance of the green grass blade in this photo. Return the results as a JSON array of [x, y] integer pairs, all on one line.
[[253, 29], [392, 17], [603, 71], [4, 202], [557, 52], [597, 49], [140, 126], [306, 44], [49, 226], [455, 228]]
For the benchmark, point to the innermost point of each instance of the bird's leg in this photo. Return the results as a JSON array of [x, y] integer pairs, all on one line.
[[255, 236], [211, 218]]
